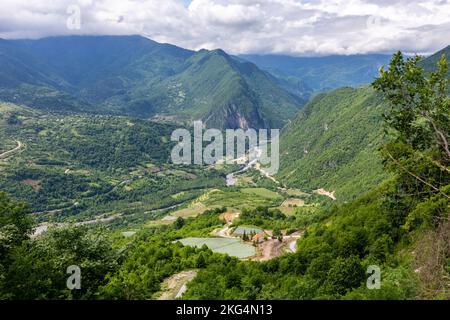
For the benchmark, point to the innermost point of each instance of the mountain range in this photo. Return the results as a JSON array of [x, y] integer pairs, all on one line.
[[308, 75], [328, 144], [135, 76]]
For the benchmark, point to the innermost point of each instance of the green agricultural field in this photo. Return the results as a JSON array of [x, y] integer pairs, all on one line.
[[288, 211], [238, 200], [232, 247], [263, 192], [297, 193], [192, 211]]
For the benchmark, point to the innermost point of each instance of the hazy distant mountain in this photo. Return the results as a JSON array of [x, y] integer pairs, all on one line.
[[313, 74], [137, 76]]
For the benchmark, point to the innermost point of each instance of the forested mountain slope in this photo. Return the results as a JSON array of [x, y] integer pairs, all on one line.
[[136, 76], [429, 63], [225, 92], [333, 143]]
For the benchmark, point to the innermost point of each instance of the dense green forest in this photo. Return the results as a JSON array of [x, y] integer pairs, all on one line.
[[333, 143]]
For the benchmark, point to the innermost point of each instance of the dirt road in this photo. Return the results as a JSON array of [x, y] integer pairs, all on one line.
[[225, 232], [323, 192], [6, 154]]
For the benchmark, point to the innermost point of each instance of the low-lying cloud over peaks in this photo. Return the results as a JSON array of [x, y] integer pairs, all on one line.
[[300, 27]]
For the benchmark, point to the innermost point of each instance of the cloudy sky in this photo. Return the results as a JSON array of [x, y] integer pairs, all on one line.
[[296, 27]]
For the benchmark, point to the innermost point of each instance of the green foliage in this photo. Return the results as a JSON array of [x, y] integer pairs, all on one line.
[[344, 275], [333, 144], [420, 107], [38, 269], [261, 216], [419, 154], [148, 263], [199, 226], [15, 223], [15, 227], [179, 223]]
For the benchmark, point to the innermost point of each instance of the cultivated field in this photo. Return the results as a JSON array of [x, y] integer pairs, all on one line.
[[292, 202], [192, 211]]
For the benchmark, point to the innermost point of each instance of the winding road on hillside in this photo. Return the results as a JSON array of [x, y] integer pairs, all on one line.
[[6, 154], [231, 179]]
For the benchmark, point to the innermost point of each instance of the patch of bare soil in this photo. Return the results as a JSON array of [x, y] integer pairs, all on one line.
[[273, 248], [269, 249], [228, 217], [35, 184], [326, 193], [225, 232]]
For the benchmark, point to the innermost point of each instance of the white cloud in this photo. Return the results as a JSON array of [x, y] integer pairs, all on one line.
[[246, 26]]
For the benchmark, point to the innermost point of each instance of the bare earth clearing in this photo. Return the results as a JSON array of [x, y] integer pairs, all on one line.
[[35, 184], [273, 248], [326, 193], [269, 249]]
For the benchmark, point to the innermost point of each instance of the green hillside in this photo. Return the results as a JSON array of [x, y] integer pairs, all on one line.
[[333, 143], [82, 166], [429, 64], [225, 93]]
